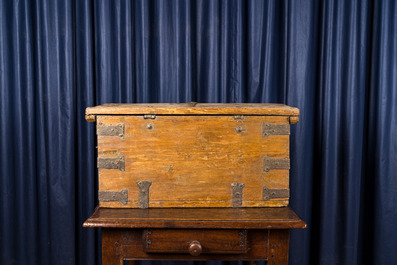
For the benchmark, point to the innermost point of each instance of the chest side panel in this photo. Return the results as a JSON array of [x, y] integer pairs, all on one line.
[[193, 161]]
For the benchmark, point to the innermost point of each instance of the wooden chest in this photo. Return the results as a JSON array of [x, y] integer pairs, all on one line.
[[193, 155]]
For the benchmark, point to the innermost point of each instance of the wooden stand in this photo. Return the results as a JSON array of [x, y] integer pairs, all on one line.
[[245, 234]]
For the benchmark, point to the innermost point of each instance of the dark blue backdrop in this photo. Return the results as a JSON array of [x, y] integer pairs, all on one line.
[[335, 60]]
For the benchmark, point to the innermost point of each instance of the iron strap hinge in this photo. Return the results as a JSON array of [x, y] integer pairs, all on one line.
[[112, 163], [270, 163], [111, 130], [114, 196], [274, 193], [269, 129], [143, 197], [237, 189]]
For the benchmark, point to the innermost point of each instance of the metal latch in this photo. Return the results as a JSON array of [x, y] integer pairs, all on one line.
[[149, 116], [112, 163], [274, 193], [114, 196], [238, 117], [110, 130]]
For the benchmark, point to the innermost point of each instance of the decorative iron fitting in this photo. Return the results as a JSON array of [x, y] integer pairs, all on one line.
[[237, 189], [275, 129], [114, 196], [243, 238], [275, 163], [143, 197], [147, 234], [274, 193], [112, 163], [110, 130]]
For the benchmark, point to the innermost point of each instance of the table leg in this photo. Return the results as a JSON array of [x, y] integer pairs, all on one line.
[[111, 247], [278, 247]]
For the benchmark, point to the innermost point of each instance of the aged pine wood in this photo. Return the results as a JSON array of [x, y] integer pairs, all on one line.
[[191, 109], [198, 218], [193, 160]]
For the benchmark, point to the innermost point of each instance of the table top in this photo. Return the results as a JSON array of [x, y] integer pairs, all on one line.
[[200, 218]]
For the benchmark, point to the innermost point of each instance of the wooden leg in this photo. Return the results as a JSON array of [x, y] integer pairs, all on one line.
[[111, 247], [278, 247]]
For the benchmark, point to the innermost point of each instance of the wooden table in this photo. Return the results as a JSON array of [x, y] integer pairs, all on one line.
[[246, 234]]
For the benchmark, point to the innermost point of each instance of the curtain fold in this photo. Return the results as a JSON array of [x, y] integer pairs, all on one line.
[[334, 60]]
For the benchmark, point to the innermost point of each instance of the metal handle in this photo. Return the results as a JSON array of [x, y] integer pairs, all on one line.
[[192, 104], [195, 248]]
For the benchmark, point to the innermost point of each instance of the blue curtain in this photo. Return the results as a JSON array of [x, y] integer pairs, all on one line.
[[335, 60]]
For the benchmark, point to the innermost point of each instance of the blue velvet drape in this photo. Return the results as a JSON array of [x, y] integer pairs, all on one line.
[[335, 60]]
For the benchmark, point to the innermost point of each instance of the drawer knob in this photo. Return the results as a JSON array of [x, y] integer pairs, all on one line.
[[195, 248]]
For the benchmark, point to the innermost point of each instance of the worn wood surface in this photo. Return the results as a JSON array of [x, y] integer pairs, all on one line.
[[203, 218], [192, 161], [191, 109]]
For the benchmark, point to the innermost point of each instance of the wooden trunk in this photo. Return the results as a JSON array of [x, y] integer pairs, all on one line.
[[193, 155]]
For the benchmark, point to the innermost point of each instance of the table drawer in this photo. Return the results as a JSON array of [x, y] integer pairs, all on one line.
[[195, 241]]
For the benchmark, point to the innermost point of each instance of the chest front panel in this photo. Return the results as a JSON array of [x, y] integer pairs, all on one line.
[[193, 160]]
